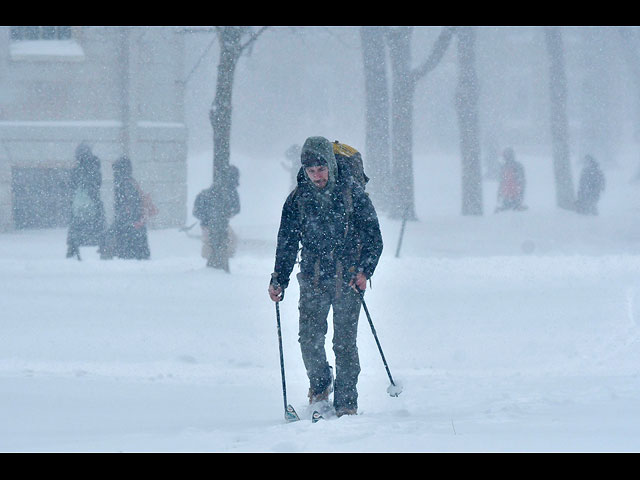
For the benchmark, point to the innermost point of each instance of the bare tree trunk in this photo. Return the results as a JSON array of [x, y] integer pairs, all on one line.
[[125, 89], [402, 202], [405, 80], [220, 115], [467, 108], [231, 47], [559, 123], [630, 51], [377, 161]]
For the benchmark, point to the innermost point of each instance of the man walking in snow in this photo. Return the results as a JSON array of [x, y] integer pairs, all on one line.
[[330, 215]]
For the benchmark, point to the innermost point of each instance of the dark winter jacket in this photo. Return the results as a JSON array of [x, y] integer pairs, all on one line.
[[214, 206], [87, 222], [130, 233], [337, 227], [590, 187]]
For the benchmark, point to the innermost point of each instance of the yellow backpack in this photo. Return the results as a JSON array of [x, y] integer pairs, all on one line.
[[349, 162]]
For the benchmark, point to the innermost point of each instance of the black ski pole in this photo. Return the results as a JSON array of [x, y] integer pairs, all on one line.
[[393, 389], [290, 414]]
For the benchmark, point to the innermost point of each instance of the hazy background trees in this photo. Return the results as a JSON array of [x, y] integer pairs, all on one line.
[[500, 87]]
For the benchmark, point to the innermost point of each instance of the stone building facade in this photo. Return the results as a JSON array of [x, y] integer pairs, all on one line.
[[118, 89]]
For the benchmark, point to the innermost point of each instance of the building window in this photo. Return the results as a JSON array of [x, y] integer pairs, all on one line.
[[44, 44], [41, 197], [40, 33]]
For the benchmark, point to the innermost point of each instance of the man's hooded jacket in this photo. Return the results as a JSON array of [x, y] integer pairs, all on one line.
[[337, 225]]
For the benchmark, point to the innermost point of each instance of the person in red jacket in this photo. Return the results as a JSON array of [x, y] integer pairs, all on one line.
[[512, 183]]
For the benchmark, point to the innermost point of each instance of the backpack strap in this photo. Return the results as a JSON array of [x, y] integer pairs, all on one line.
[[347, 195]]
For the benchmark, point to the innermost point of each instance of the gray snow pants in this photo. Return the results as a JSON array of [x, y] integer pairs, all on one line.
[[315, 302]]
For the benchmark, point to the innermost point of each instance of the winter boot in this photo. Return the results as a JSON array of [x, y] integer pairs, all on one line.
[[346, 411], [324, 395]]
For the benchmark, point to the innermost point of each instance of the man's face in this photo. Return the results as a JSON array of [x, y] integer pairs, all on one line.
[[319, 175]]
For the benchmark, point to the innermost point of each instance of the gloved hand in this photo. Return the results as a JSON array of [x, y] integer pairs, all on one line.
[[359, 282], [276, 292]]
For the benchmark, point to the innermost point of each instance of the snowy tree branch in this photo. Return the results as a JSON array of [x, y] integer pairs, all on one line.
[[439, 49]]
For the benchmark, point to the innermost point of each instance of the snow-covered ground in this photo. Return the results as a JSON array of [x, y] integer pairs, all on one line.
[[509, 332]]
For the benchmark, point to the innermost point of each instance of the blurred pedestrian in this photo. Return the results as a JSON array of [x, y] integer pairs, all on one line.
[[214, 207], [292, 165], [127, 237], [590, 187], [87, 222], [512, 183]]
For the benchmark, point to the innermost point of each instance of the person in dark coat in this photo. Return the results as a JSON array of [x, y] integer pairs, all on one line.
[[87, 223], [512, 183], [590, 187], [129, 230], [214, 207], [333, 219]]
